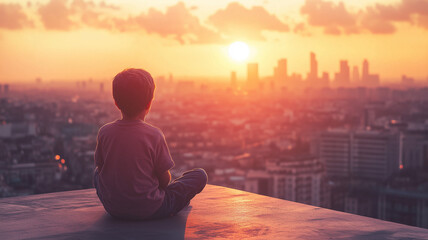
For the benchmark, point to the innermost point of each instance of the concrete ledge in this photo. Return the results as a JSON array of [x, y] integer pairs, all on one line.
[[218, 212]]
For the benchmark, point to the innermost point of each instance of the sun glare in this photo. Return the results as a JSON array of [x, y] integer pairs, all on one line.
[[239, 51]]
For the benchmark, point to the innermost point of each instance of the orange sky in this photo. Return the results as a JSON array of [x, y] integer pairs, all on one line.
[[77, 39]]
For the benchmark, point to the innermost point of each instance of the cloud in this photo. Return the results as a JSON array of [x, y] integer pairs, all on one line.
[[334, 18], [237, 21], [301, 29], [381, 18], [177, 22], [12, 17], [55, 15], [376, 19]]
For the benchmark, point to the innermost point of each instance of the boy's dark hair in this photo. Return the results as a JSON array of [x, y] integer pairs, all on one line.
[[133, 91]]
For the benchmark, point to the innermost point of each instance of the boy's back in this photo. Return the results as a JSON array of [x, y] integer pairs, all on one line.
[[130, 155], [132, 159]]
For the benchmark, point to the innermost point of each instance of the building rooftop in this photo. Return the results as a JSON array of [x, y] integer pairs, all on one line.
[[217, 212]]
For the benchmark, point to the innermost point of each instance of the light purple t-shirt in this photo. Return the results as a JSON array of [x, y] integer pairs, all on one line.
[[129, 156]]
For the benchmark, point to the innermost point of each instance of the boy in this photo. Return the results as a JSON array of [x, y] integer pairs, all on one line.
[[132, 159]]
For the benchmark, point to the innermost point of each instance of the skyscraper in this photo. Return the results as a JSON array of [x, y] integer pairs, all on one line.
[[253, 74], [365, 70], [295, 178], [313, 74], [343, 76], [280, 71], [367, 78], [362, 154]]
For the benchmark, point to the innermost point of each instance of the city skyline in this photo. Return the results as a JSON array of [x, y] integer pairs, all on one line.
[[68, 40]]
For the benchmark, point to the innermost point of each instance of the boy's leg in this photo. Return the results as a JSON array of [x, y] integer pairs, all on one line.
[[180, 191]]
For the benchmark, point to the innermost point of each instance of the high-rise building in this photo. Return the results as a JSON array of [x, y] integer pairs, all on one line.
[[280, 71], [370, 155], [365, 70], [313, 74], [375, 155], [334, 151], [253, 74], [415, 149], [299, 179], [367, 78], [343, 76]]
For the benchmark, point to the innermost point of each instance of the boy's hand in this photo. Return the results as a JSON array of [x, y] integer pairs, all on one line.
[[164, 179]]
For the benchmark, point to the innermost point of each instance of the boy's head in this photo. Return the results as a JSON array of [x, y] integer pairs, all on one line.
[[133, 91]]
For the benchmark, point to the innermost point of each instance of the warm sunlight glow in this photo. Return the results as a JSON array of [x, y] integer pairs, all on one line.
[[239, 51]]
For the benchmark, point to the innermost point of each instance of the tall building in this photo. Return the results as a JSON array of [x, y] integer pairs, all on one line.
[[253, 74], [369, 155], [313, 74], [334, 151], [367, 78], [343, 76], [375, 155], [280, 71], [299, 179], [365, 70], [415, 149]]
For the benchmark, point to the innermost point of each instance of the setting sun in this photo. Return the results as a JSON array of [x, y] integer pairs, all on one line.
[[239, 51]]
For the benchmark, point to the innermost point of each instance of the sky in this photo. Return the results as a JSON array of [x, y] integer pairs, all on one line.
[[71, 40]]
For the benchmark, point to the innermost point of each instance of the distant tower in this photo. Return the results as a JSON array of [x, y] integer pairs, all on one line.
[[233, 79], [281, 70], [365, 76], [38, 81], [101, 87], [313, 74], [253, 74], [343, 76], [355, 75]]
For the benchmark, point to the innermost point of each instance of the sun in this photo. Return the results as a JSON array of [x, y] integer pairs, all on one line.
[[239, 51]]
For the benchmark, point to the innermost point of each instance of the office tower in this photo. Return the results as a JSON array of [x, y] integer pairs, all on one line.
[[367, 78], [343, 76], [334, 149], [365, 70], [415, 149], [253, 74], [325, 80], [233, 78], [280, 71], [344, 69], [355, 75], [300, 179], [368, 155], [313, 74], [375, 155]]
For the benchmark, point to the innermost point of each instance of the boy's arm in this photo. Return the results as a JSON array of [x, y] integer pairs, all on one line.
[[164, 179]]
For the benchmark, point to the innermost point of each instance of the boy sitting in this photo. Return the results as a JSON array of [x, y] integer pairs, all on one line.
[[132, 159]]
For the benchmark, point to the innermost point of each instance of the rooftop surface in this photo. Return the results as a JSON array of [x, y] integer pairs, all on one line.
[[218, 212]]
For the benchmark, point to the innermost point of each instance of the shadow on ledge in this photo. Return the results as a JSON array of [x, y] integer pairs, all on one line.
[[107, 227]]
